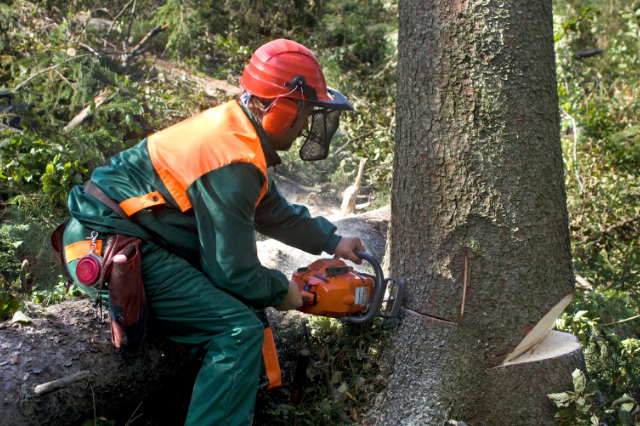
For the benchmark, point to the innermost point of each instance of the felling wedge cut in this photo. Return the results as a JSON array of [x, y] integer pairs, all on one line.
[[555, 344], [542, 342]]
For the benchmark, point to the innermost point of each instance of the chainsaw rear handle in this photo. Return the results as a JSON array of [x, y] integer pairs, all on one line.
[[378, 291]]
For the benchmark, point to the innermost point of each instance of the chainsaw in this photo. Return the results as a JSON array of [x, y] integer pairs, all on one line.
[[331, 288]]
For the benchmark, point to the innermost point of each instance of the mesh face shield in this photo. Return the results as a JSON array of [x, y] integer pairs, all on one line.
[[317, 139]]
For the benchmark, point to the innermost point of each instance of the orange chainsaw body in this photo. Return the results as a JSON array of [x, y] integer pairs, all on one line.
[[330, 288]]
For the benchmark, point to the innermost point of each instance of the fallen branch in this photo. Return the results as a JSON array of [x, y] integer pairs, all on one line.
[[98, 100], [49, 387], [621, 321], [300, 187], [138, 49], [21, 85], [133, 12], [106, 37], [613, 227], [583, 283], [89, 48], [351, 140], [588, 53]]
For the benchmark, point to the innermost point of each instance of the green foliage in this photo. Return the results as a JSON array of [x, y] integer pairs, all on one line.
[[600, 107], [599, 98], [9, 304], [59, 293], [584, 406], [346, 372]]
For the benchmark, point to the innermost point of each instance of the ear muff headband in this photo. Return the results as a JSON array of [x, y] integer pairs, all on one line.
[[280, 116]]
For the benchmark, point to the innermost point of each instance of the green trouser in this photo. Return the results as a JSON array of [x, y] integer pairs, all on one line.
[[216, 328]]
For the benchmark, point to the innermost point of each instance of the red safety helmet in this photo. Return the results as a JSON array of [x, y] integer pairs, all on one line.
[[284, 68], [285, 71]]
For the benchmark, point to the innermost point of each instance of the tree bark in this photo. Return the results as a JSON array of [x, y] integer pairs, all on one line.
[[479, 230], [70, 340]]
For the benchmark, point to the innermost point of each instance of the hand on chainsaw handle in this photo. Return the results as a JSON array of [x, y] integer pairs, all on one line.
[[345, 248], [292, 300]]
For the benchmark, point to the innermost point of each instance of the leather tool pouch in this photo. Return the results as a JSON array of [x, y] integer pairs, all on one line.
[[128, 307], [122, 271]]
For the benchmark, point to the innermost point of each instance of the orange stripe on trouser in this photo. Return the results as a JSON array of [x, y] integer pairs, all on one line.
[[271, 360]]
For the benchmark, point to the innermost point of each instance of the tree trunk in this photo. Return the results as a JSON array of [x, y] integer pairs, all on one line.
[[479, 230], [73, 339]]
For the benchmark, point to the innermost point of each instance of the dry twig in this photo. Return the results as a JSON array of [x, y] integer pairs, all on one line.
[[138, 50], [106, 37]]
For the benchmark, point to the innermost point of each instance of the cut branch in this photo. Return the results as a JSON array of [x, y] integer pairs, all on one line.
[[583, 283], [98, 100], [49, 387], [351, 193]]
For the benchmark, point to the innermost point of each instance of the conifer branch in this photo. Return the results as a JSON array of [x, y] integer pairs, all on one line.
[[21, 85]]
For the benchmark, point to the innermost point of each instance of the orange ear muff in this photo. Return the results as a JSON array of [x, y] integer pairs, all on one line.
[[280, 116]]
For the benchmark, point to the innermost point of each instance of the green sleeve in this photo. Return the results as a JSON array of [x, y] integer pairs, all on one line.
[[224, 202], [293, 225]]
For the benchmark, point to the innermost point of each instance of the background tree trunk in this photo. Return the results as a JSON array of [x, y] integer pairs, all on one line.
[[479, 229]]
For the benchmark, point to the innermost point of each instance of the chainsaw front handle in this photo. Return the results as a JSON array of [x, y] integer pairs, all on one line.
[[378, 291]]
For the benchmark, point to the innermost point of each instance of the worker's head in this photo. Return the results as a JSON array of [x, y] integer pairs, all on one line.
[[284, 87]]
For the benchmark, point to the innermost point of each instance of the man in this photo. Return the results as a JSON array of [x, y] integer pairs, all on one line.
[[194, 193]]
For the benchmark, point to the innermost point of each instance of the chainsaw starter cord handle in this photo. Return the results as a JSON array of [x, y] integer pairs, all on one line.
[[378, 290]]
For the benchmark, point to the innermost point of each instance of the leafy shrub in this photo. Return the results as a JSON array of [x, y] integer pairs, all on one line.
[[585, 405]]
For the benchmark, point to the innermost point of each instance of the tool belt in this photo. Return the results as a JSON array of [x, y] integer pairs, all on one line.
[[120, 267]]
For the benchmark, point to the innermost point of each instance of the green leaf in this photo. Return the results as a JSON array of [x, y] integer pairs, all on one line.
[[625, 417], [561, 399], [579, 381], [627, 406], [622, 400], [591, 389], [49, 169]]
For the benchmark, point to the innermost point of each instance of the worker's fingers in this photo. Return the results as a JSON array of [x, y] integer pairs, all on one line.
[[345, 249], [292, 300]]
